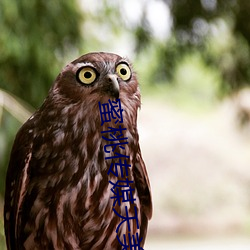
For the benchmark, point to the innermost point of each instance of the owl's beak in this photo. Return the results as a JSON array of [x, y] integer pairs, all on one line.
[[114, 85]]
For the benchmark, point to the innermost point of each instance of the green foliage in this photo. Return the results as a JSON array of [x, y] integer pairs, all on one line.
[[218, 30], [34, 37], [197, 22], [193, 85], [8, 130], [231, 56], [2, 237]]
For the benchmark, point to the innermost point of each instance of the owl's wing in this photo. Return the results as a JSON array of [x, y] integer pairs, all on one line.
[[16, 182], [143, 185]]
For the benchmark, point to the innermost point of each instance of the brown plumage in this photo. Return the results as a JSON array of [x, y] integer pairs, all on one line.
[[58, 194]]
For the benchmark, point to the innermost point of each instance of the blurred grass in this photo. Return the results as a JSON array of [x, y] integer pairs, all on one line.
[[2, 237], [194, 87]]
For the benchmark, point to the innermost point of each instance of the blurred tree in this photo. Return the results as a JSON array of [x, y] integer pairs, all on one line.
[[193, 24], [35, 38], [200, 25]]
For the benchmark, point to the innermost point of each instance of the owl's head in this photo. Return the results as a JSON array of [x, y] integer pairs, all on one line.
[[98, 76]]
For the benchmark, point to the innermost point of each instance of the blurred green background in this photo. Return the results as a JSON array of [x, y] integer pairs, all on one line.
[[192, 60]]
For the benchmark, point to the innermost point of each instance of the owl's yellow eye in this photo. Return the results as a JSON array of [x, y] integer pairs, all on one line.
[[86, 75], [123, 71]]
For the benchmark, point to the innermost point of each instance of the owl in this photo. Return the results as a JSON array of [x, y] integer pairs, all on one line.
[[65, 185]]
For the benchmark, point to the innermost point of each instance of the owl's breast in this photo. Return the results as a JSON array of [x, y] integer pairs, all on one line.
[[78, 191]]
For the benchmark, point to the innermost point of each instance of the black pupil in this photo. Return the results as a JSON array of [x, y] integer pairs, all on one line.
[[123, 71], [87, 74]]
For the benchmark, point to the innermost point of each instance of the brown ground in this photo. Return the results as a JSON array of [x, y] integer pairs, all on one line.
[[199, 168]]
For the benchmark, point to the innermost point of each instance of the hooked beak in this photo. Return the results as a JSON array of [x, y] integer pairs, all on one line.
[[114, 87]]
